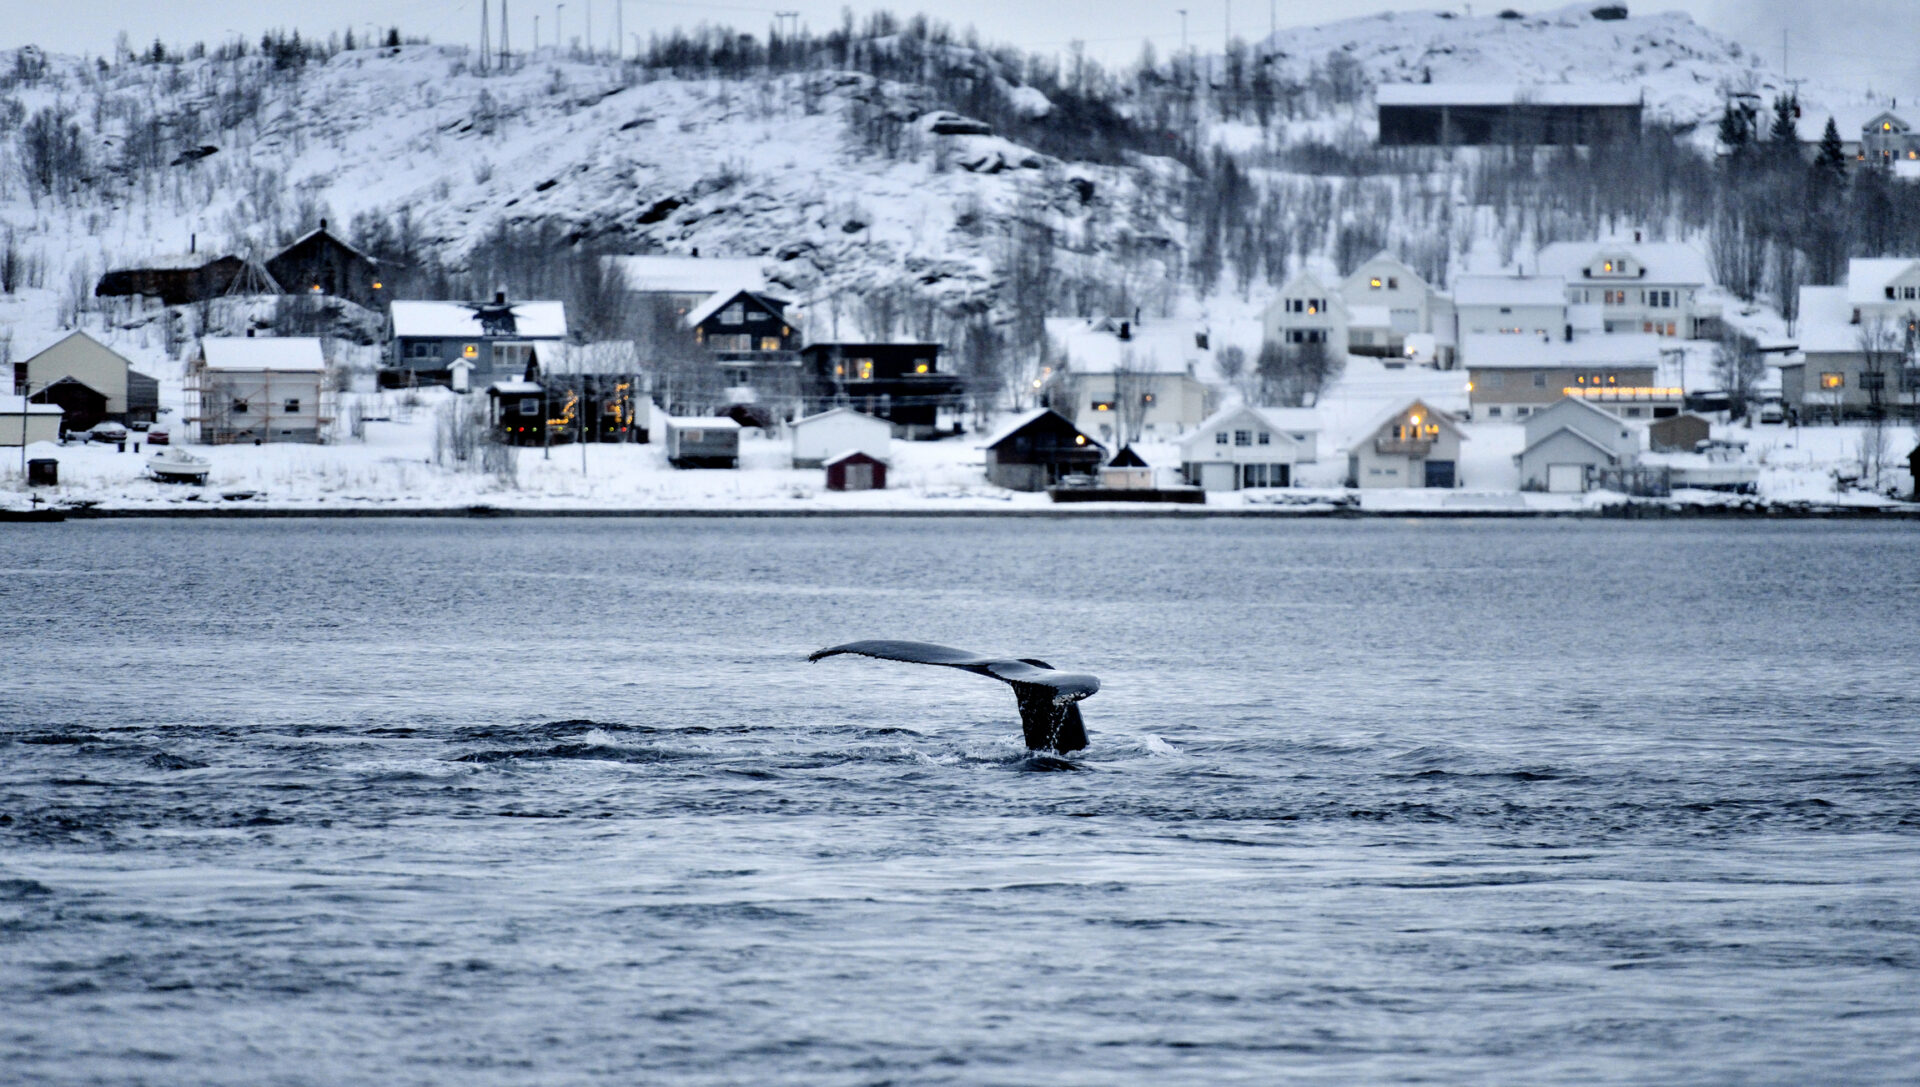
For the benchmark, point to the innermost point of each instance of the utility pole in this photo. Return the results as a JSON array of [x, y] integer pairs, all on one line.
[[589, 8], [1783, 50], [503, 35], [559, 39], [486, 45], [619, 29], [536, 33], [1184, 60], [1226, 43]]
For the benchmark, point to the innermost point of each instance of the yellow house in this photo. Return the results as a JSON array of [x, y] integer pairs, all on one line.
[[80, 361]]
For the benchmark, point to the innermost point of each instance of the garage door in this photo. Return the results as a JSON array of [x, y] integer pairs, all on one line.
[[1566, 478]]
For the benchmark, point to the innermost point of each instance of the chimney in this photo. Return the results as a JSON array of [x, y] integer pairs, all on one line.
[[499, 298], [1126, 330], [1636, 237], [323, 224], [696, 250], [249, 334], [1569, 333], [193, 243]]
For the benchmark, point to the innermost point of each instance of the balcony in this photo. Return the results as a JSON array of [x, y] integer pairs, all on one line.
[[1403, 447]]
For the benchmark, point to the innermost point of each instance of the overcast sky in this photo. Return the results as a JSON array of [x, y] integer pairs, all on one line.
[[1850, 44]]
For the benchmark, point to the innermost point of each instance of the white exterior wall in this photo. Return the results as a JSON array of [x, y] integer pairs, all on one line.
[[1531, 320], [823, 436], [1410, 303], [41, 426], [1179, 404], [1331, 320], [1560, 448], [266, 394]]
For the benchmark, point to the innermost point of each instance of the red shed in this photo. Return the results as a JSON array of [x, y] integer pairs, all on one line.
[[856, 471]]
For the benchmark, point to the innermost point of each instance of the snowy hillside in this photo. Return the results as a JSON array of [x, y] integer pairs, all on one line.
[[1685, 69]]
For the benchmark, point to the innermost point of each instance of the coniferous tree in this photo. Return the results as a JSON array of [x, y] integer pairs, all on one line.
[[1785, 133], [1736, 129], [1830, 165]]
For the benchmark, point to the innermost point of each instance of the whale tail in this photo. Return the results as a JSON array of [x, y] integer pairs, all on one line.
[[1050, 723]]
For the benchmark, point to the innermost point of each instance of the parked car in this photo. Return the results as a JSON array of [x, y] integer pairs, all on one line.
[[1773, 411], [109, 432], [138, 425], [159, 436]]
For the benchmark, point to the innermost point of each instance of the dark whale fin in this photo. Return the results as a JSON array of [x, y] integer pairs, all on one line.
[[1048, 698]]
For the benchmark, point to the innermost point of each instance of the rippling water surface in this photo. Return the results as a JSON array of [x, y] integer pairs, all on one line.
[[560, 802]]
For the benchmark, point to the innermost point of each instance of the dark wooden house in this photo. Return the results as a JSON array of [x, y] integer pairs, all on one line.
[[856, 471], [320, 263], [1038, 450], [899, 382], [176, 281], [748, 334], [519, 411], [1678, 433]]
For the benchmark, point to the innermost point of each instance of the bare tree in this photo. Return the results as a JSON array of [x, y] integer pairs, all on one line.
[[1738, 366]]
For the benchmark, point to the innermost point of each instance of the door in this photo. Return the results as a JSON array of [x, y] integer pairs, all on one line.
[[859, 477], [1566, 478], [1440, 473]]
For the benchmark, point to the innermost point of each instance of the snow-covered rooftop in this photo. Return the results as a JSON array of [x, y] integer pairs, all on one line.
[[1826, 320], [1507, 94], [1665, 262], [720, 298], [516, 388], [689, 275], [531, 320], [1494, 351], [1867, 277], [1510, 291], [699, 422], [291, 354], [1094, 346], [10, 405]]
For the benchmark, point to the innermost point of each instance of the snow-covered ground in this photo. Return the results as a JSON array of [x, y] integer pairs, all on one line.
[[394, 468]]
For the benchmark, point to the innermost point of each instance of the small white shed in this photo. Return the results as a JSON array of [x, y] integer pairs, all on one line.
[[817, 438]]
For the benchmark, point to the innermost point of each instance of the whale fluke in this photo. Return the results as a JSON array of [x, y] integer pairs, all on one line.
[[1049, 714]]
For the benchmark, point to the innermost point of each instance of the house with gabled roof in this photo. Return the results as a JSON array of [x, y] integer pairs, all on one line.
[[1037, 449], [750, 338], [1412, 446], [247, 389], [819, 437], [319, 262], [1570, 443], [1640, 286], [1121, 379], [1242, 446], [90, 380], [1307, 311], [1387, 301]]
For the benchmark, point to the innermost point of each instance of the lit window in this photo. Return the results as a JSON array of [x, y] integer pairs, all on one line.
[[1374, 283], [866, 369], [470, 351], [1833, 381], [1103, 405], [921, 368], [769, 343]]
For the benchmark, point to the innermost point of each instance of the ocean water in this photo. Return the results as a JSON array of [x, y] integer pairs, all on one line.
[[559, 802]]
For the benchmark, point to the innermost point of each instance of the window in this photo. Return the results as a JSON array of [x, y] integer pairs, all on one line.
[[1243, 437], [732, 314], [470, 351], [1495, 380], [1506, 309], [292, 406], [1493, 412], [530, 405], [1635, 413], [1393, 283], [1306, 335], [1220, 438], [422, 349], [1375, 283], [758, 315], [1615, 298], [922, 367], [239, 406], [1103, 405], [1910, 293], [769, 343], [1833, 381], [863, 369], [1539, 379], [1266, 438]]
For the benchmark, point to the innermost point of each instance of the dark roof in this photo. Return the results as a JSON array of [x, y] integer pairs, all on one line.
[[1127, 458]]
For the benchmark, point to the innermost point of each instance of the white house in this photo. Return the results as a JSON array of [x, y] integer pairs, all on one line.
[[1648, 287], [680, 283], [1123, 380], [1307, 311], [1242, 446], [819, 438], [257, 389], [24, 423], [1508, 306], [1412, 446], [1569, 442], [1387, 301]]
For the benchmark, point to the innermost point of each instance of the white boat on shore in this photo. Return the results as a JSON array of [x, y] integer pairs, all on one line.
[[176, 465]]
